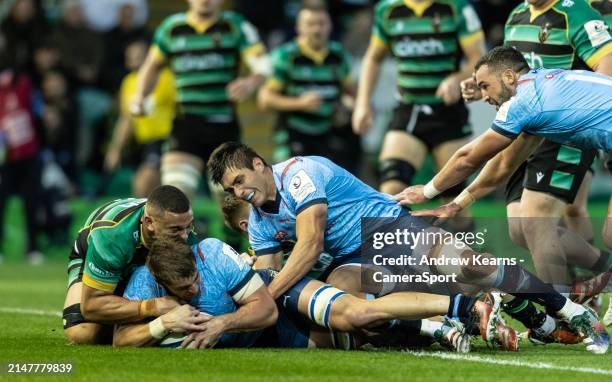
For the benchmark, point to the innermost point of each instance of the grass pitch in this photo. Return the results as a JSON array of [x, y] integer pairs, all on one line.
[[31, 300]]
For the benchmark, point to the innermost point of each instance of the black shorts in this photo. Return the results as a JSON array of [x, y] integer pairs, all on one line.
[[555, 169], [197, 136], [150, 153], [432, 124]]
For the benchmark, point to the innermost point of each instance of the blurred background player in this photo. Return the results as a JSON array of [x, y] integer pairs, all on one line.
[[311, 88], [150, 130], [427, 38]]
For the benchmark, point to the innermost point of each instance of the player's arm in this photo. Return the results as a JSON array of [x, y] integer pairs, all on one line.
[[604, 65], [105, 307], [118, 142], [270, 97], [370, 71], [257, 310], [310, 228], [271, 261], [147, 78], [181, 319]]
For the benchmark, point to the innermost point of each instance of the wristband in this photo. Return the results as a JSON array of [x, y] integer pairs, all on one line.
[[157, 330], [147, 308], [464, 199], [430, 191]]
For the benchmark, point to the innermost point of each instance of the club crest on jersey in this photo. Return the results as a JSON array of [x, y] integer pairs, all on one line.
[[544, 32], [435, 22], [280, 236]]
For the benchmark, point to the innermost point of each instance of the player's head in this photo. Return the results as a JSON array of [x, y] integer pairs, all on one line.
[[204, 8], [236, 214], [135, 54], [173, 265], [168, 213], [497, 74], [242, 172], [314, 24]]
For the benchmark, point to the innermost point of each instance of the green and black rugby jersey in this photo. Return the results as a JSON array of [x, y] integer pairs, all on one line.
[[204, 58], [112, 241], [605, 8], [298, 69], [426, 40], [568, 34]]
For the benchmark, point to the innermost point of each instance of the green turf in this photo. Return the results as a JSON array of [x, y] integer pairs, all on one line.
[[35, 338]]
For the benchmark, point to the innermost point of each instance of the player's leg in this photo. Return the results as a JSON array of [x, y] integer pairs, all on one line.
[[577, 217], [182, 170], [513, 193], [402, 154], [607, 228], [147, 175]]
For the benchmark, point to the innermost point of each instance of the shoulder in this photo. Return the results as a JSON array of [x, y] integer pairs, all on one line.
[[210, 245], [232, 17], [336, 48], [385, 5], [577, 11], [173, 21]]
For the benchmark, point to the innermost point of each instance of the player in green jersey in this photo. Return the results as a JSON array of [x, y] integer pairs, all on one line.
[[204, 47], [309, 83], [113, 241], [427, 39]]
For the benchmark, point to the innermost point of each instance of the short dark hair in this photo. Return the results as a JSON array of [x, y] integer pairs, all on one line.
[[231, 208], [170, 259], [502, 58], [230, 155], [314, 6], [169, 198]]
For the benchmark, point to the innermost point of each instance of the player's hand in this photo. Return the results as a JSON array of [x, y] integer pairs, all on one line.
[[449, 90], [165, 304], [184, 318], [137, 107], [310, 101], [208, 336], [362, 119], [240, 89], [250, 259], [411, 195], [112, 159], [469, 90], [443, 213]]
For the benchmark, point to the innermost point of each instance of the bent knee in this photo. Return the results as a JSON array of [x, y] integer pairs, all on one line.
[[85, 334]]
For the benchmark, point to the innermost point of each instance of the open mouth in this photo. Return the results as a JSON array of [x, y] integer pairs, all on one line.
[[249, 197]]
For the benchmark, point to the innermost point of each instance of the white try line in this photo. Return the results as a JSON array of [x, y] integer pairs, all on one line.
[[33, 312], [509, 362]]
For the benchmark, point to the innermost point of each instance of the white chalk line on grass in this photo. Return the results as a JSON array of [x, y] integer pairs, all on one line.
[[34, 312], [509, 362]]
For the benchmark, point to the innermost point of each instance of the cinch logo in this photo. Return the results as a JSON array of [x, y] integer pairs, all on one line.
[[409, 47], [533, 60], [191, 62]]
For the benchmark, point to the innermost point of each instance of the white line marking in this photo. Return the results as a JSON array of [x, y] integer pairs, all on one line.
[[34, 312], [509, 362]]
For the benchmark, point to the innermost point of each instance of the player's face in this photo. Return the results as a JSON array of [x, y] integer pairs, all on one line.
[[494, 89], [185, 288], [170, 224], [204, 8], [135, 55], [314, 26], [249, 185]]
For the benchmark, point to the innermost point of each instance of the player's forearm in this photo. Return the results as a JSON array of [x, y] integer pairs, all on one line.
[[370, 71], [113, 309], [604, 66], [147, 77], [303, 257], [268, 99], [458, 168], [137, 335], [122, 132], [249, 317]]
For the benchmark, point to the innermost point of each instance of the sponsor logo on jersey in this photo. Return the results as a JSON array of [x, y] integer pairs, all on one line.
[[539, 177], [597, 32], [98, 271], [280, 235], [567, 3], [534, 60], [191, 62], [408, 47], [300, 186], [544, 32]]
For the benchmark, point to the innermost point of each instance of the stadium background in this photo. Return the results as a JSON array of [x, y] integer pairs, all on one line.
[[31, 298]]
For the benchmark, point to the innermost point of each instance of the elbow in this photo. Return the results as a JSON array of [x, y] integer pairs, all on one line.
[[262, 100], [88, 311], [271, 315]]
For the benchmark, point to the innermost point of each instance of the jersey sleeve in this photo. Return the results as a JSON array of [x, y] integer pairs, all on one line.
[[511, 118], [142, 286], [261, 237], [161, 39], [104, 262], [379, 36], [469, 28], [249, 41], [239, 279], [280, 70], [588, 33], [345, 68], [305, 182]]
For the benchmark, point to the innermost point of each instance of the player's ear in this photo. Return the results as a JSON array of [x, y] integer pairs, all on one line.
[[244, 225], [258, 164], [509, 77]]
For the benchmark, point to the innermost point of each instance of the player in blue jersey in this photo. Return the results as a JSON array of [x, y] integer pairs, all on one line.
[[213, 279], [317, 204]]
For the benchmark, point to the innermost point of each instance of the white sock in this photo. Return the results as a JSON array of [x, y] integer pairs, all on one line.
[[549, 325], [568, 310], [429, 327]]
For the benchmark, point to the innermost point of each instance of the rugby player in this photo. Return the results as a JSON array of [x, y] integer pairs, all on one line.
[[310, 86], [214, 279], [319, 205], [425, 37], [204, 48], [115, 238]]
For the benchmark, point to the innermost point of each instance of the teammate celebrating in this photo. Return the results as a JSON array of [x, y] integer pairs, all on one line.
[[113, 241], [426, 37]]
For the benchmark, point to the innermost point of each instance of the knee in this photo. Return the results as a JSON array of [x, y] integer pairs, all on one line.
[[354, 317], [83, 334], [576, 211], [515, 231]]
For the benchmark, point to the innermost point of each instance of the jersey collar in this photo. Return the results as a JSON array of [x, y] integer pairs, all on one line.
[[270, 208], [418, 8], [535, 13], [200, 26], [317, 56]]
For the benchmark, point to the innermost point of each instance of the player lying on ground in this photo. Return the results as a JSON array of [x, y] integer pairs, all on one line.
[[114, 239], [530, 108], [212, 278], [319, 205]]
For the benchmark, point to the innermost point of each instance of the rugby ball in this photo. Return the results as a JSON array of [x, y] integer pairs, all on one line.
[[174, 340]]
